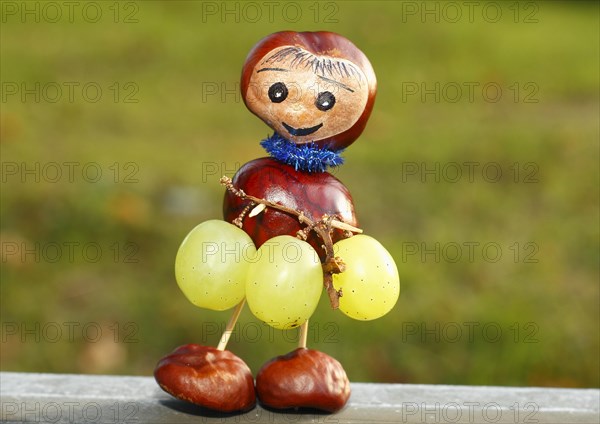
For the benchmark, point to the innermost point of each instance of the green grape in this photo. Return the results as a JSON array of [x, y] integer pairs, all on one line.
[[370, 282], [285, 283], [212, 263]]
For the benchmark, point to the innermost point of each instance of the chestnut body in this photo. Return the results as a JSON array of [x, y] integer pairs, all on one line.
[[316, 194]]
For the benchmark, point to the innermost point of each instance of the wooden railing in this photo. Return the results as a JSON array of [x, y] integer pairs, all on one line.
[[65, 398]]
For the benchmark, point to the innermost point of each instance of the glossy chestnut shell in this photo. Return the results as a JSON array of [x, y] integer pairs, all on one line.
[[304, 378], [208, 377], [316, 194]]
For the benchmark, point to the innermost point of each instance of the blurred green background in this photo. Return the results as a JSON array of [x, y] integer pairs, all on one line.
[[478, 170]]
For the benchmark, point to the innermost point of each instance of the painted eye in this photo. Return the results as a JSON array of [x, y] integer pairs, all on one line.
[[278, 92], [325, 101]]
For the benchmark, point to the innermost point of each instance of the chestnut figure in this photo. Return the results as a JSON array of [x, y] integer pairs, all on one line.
[[316, 91]]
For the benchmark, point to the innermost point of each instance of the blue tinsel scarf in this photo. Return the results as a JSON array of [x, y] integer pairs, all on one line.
[[305, 157]]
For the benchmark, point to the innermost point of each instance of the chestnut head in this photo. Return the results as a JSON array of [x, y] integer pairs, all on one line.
[[310, 87]]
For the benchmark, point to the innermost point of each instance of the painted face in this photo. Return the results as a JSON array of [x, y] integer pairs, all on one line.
[[305, 97]]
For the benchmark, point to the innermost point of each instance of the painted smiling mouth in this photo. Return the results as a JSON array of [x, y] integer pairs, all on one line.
[[298, 132]]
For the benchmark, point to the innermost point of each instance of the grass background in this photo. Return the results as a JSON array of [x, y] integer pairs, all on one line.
[[528, 317]]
